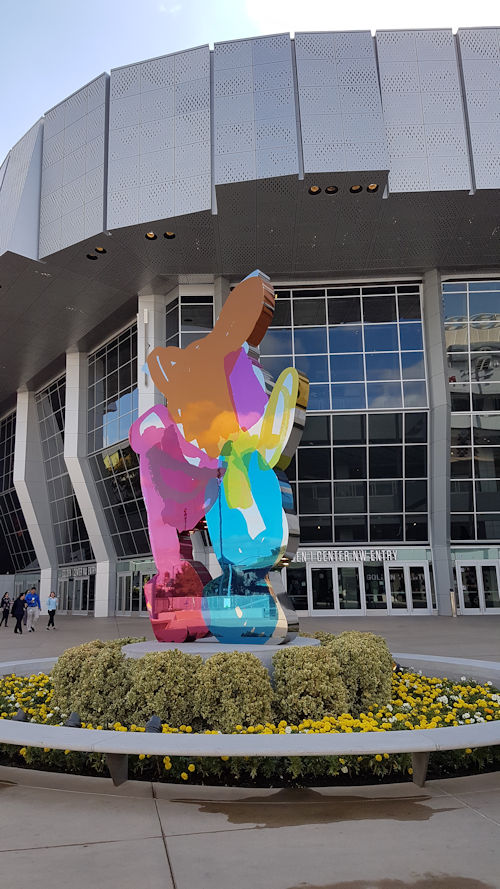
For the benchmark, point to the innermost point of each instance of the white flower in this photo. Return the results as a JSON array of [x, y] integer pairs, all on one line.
[[389, 707], [288, 730], [466, 715], [344, 769], [462, 679], [406, 706], [443, 699], [488, 683]]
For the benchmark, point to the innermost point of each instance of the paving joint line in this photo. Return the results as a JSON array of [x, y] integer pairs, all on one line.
[[164, 838]]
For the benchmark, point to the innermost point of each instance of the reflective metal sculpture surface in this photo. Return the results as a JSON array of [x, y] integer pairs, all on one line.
[[218, 451]]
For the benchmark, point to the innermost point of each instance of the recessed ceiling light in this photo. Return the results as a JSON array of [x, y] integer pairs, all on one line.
[[150, 236], [331, 189], [314, 189], [169, 235], [91, 256], [355, 189], [100, 250], [372, 188]]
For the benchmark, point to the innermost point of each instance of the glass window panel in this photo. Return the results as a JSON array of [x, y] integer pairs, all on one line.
[[316, 431], [349, 429], [315, 529], [415, 393], [485, 397], [417, 584], [460, 430], [416, 461], [462, 527], [461, 463], [411, 335], [384, 395], [347, 368], [314, 463], [415, 427], [470, 590], [350, 529], [387, 528], [282, 313], [383, 366], [485, 366], [379, 308], [457, 337], [397, 587], [349, 588], [276, 364], [490, 586], [455, 304], [386, 496], [187, 338], [416, 527], [277, 342], [172, 323], [343, 291], [416, 495], [461, 496], [386, 462], [319, 398], [196, 318], [282, 294], [344, 311], [315, 498], [308, 293], [413, 366], [348, 396], [309, 311], [310, 340], [291, 470], [481, 304], [349, 497], [385, 429], [322, 588], [315, 367], [346, 339], [349, 463], [375, 586], [381, 338], [409, 307], [460, 398], [487, 496], [488, 526], [296, 583], [487, 462]]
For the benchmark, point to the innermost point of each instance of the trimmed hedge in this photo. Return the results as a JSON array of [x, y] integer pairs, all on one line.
[[308, 684], [164, 684], [234, 689], [366, 668]]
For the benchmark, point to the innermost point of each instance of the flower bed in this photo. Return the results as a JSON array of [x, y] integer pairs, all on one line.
[[417, 702]]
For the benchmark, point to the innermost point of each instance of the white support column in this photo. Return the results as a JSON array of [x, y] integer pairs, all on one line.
[[221, 293], [31, 488], [78, 466], [439, 468], [151, 327]]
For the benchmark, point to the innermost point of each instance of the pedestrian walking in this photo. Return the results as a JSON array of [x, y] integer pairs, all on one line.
[[51, 609], [5, 607], [33, 608], [18, 609]]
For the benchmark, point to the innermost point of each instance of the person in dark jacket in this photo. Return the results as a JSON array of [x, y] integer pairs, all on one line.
[[18, 610], [5, 607]]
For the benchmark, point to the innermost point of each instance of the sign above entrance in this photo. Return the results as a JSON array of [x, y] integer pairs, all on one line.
[[77, 571], [346, 555]]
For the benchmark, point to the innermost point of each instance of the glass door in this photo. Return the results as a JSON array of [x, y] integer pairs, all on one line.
[[81, 597], [397, 588], [296, 585], [138, 599], [335, 590], [478, 588], [349, 588], [124, 594], [63, 595], [491, 595], [322, 590], [468, 589], [409, 589]]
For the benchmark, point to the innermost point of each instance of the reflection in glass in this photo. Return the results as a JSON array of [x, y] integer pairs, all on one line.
[[411, 335], [381, 338], [490, 586], [316, 431], [412, 364], [319, 398], [315, 367], [297, 586], [344, 311], [485, 397], [487, 495], [386, 527], [485, 366], [384, 395], [415, 428], [347, 368], [383, 366], [316, 529], [470, 589], [417, 583], [276, 364], [415, 394], [487, 462], [348, 396], [461, 497], [349, 429], [282, 313], [481, 304], [462, 527], [460, 430], [346, 339], [350, 529], [349, 588], [409, 307], [486, 430], [488, 526], [374, 586], [455, 304], [309, 311], [309, 340], [460, 398], [384, 429], [386, 496], [349, 497], [277, 342], [379, 308], [315, 497], [397, 587], [322, 588]]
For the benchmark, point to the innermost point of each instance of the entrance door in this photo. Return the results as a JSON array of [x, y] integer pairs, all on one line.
[[124, 594], [130, 597], [478, 588], [335, 590], [82, 595], [63, 597], [409, 589]]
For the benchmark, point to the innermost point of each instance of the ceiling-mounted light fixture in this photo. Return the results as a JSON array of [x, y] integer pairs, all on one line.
[[355, 189], [100, 250], [91, 256], [169, 235], [331, 189], [150, 236], [314, 189], [372, 188]]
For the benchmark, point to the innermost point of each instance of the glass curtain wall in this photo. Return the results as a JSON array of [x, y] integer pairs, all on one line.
[[72, 540], [12, 522]]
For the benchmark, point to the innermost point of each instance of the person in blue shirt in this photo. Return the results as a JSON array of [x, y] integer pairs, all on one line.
[[51, 609], [33, 608]]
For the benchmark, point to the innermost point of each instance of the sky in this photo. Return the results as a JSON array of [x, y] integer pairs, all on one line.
[[50, 48]]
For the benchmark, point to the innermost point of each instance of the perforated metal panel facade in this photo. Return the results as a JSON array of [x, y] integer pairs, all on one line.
[[340, 106], [14, 183], [255, 128], [423, 111], [480, 53], [74, 146], [159, 139]]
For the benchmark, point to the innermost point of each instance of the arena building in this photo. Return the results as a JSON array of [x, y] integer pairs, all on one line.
[[362, 174]]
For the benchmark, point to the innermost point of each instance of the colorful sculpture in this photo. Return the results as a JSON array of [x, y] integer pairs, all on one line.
[[218, 450]]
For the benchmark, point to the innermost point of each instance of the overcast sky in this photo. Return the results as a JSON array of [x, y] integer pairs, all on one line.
[[50, 48]]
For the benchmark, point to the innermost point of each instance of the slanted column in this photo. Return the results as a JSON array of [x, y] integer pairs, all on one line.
[[221, 293], [151, 325], [31, 488], [439, 463], [80, 473]]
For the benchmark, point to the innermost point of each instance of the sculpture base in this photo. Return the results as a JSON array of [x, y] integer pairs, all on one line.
[[209, 646]]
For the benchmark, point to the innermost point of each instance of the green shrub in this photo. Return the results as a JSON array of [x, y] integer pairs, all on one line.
[[234, 689], [66, 674], [366, 668], [323, 637], [105, 682], [164, 684], [308, 684]]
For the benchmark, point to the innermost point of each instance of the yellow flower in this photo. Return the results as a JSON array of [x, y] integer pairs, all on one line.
[[23, 751], [191, 767], [378, 757], [468, 750], [184, 776], [225, 758]]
